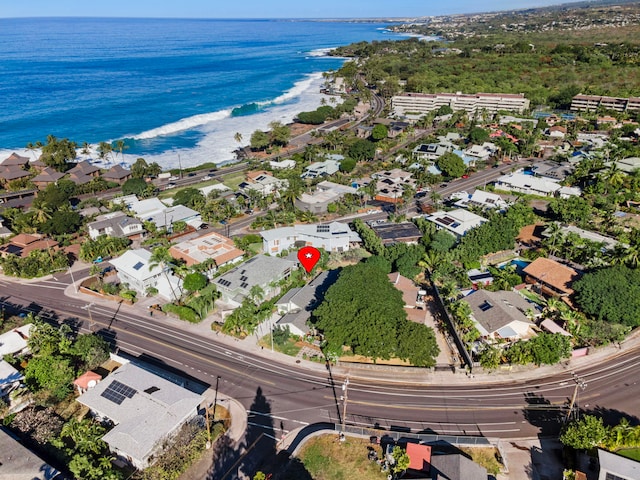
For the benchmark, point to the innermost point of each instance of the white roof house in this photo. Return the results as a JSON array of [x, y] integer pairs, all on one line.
[[481, 152], [134, 268], [519, 182], [616, 467], [218, 187], [321, 169], [458, 222], [282, 165], [263, 183], [479, 198], [334, 237], [326, 193], [115, 224], [146, 409], [261, 271], [147, 207], [15, 340]]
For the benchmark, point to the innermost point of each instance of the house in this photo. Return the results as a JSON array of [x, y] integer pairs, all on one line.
[[117, 174], [321, 169], [391, 185], [154, 211], [554, 171], [500, 315], [20, 199], [80, 178], [458, 222], [15, 160], [333, 237], [550, 277], [116, 224], [412, 296], [17, 462], [46, 177], [135, 268], [528, 184], [11, 173], [392, 233], [263, 182], [23, 244], [84, 168], [617, 467], [4, 231], [10, 378], [325, 194], [479, 198], [628, 165], [86, 381], [282, 165], [456, 466], [481, 152], [212, 247], [15, 341], [419, 457], [556, 131], [260, 271], [147, 410], [430, 151], [608, 242], [297, 304]]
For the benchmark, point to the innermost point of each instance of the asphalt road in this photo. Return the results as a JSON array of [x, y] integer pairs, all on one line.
[[453, 404]]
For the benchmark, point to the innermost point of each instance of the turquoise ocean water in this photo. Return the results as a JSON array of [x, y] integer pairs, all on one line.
[[172, 88]]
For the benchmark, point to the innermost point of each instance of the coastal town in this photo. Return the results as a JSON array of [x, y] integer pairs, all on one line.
[[469, 241]]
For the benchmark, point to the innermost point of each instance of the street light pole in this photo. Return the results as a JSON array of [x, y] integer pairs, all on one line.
[[88, 309], [215, 400], [72, 279]]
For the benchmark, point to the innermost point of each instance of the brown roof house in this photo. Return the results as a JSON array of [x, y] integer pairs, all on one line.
[[85, 168], [12, 172], [46, 177], [551, 277], [117, 174], [16, 160], [23, 244], [212, 246]]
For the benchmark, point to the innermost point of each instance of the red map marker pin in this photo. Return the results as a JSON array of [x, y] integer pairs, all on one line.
[[308, 257]]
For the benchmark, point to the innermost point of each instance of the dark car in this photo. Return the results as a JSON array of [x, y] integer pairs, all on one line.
[[191, 174], [442, 185]]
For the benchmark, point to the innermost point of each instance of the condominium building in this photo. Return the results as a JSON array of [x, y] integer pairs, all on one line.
[[593, 102], [422, 103]]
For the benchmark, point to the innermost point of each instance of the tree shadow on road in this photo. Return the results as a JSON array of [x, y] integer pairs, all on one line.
[[610, 416]]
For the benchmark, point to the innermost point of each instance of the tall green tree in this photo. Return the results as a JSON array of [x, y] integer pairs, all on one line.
[[58, 153]]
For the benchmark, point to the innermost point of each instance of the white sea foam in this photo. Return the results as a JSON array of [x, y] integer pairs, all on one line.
[[320, 52], [188, 123], [218, 144]]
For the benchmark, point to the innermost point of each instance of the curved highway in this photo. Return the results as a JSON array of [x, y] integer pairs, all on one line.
[[444, 403]]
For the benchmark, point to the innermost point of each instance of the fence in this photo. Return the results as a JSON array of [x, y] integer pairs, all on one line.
[[456, 440]]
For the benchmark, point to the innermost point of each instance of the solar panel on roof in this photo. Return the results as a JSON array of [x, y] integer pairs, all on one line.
[[138, 266], [322, 229], [116, 392], [244, 285]]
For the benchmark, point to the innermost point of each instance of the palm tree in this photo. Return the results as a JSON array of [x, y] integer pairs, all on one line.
[[86, 148], [238, 137], [161, 257], [121, 146]]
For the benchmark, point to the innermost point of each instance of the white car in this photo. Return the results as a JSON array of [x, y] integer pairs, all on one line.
[[207, 177], [173, 178], [171, 185]]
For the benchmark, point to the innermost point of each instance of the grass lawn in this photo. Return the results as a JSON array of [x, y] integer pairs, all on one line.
[[327, 459], [632, 453], [233, 180], [288, 348], [485, 457]]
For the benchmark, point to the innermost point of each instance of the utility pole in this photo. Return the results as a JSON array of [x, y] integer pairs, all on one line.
[[579, 381], [180, 164], [345, 399], [72, 280], [215, 400], [88, 309]]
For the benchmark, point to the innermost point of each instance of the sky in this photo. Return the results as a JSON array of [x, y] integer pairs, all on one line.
[[258, 8]]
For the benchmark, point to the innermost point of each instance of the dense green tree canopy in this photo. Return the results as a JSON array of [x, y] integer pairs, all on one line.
[[194, 282], [365, 312], [259, 140], [585, 433], [361, 150], [62, 221], [53, 373], [57, 153], [379, 132], [478, 135], [189, 197], [134, 186], [611, 294], [451, 165]]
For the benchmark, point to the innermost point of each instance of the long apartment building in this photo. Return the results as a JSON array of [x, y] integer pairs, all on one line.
[[421, 103], [593, 102]]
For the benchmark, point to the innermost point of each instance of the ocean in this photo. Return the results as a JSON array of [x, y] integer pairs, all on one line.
[[176, 90]]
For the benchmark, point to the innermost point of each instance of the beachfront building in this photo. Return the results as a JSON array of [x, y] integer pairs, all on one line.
[[136, 269], [332, 237], [260, 271], [422, 103], [147, 411], [213, 248], [117, 174], [116, 224], [458, 222]]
